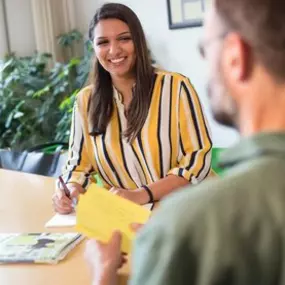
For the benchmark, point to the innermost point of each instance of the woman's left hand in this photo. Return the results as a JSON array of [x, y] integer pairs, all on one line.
[[138, 196]]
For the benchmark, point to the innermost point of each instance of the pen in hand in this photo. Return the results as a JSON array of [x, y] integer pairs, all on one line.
[[66, 192]]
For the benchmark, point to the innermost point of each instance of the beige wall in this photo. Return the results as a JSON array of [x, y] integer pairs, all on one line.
[[3, 43], [20, 25], [84, 10]]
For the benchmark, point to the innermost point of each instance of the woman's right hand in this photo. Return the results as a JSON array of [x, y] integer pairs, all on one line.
[[63, 204]]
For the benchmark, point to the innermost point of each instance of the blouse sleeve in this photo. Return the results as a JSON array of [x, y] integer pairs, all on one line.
[[194, 162], [78, 166]]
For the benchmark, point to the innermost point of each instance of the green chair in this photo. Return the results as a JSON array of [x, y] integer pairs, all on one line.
[[216, 151]]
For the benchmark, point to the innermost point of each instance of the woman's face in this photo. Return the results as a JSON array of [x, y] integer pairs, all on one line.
[[114, 47]]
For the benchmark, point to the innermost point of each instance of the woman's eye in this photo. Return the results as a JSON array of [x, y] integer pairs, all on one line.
[[102, 43], [125, 39]]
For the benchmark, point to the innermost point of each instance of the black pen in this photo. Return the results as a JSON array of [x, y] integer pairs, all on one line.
[[66, 192]]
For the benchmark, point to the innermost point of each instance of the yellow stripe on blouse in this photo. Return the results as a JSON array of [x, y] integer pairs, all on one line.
[[175, 139]]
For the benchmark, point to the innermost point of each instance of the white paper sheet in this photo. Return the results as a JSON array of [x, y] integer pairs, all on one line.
[[148, 206], [61, 221], [70, 220]]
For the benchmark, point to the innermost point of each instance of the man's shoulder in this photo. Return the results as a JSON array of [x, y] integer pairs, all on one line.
[[241, 180], [193, 200], [189, 205], [231, 197]]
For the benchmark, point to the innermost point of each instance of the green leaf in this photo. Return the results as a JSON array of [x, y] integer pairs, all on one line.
[[42, 92], [9, 121], [18, 115], [36, 102]]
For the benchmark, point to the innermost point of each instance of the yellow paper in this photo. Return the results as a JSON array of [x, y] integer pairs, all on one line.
[[99, 213]]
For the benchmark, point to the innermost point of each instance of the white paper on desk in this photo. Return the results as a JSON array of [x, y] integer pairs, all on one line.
[[148, 206], [61, 221], [70, 220]]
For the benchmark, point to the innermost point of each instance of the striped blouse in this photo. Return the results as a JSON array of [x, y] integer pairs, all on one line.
[[175, 139]]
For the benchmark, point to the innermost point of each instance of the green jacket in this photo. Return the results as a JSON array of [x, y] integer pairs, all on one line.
[[223, 231]]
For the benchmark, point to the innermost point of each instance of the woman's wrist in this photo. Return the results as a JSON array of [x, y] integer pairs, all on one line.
[[149, 193], [143, 197], [73, 186]]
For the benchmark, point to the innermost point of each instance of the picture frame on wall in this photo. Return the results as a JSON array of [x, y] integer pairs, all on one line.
[[186, 13]]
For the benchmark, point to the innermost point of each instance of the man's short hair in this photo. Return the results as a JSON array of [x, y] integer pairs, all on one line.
[[262, 24]]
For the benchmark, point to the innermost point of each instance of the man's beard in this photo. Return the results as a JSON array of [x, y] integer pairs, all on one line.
[[224, 119], [220, 113]]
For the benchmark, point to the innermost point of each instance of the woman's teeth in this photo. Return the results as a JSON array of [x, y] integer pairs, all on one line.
[[117, 60]]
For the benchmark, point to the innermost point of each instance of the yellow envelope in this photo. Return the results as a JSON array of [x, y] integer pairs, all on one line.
[[100, 212]]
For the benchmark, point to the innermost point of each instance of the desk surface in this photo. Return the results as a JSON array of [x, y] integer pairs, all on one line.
[[25, 206]]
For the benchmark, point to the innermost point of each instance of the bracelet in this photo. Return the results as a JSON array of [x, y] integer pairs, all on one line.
[[151, 199]]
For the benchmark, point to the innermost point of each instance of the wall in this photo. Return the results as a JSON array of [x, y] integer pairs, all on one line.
[[85, 9], [3, 40], [20, 26], [174, 50]]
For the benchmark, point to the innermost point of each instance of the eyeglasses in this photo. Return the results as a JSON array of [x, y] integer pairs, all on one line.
[[203, 44]]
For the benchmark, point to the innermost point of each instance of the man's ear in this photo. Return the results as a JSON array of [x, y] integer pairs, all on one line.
[[236, 59]]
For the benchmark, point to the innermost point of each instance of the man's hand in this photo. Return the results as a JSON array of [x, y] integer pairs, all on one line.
[[136, 227], [105, 259]]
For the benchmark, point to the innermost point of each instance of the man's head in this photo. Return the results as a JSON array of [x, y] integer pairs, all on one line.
[[244, 44]]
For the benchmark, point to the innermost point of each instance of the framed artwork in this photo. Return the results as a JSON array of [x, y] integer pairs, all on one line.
[[186, 13]]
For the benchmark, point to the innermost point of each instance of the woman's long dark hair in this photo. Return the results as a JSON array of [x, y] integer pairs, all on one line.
[[101, 101]]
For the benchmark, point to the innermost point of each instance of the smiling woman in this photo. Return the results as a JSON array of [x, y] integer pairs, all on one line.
[[115, 52], [117, 34], [142, 130], [109, 41]]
